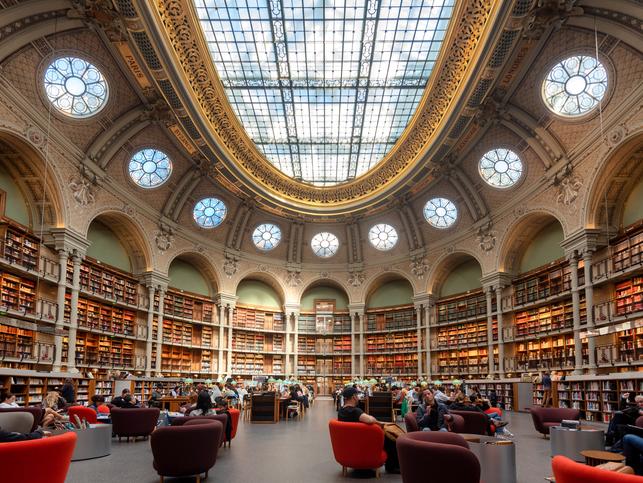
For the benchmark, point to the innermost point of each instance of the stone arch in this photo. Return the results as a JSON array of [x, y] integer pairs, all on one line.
[[131, 233], [376, 281], [33, 176], [266, 277], [445, 264], [328, 281], [612, 181], [519, 234], [202, 263]]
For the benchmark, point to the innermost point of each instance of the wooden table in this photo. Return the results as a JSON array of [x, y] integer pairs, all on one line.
[[595, 457], [173, 404]]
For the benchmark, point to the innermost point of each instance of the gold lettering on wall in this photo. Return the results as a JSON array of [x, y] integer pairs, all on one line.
[[183, 139], [133, 65]]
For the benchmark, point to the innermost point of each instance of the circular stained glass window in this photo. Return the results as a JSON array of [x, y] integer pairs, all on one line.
[[75, 87], [382, 236], [209, 212], [266, 236], [575, 85], [324, 244], [500, 167], [440, 212], [150, 168]]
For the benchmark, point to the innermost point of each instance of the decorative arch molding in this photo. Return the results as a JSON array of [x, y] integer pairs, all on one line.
[[29, 175], [269, 278], [613, 178], [108, 143], [379, 279], [445, 264], [517, 235], [199, 261], [325, 279], [129, 231]]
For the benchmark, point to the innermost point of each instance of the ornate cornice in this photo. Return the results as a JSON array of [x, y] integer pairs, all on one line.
[[173, 27]]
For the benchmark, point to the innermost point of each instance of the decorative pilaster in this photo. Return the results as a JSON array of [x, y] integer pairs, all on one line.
[[494, 283], [357, 315], [159, 331], [291, 312], [63, 256], [589, 309], [154, 281], [489, 299], [226, 303], [578, 345], [73, 314], [150, 331], [220, 344], [501, 342]]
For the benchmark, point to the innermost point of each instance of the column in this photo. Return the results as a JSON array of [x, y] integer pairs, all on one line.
[[150, 331], [287, 366], [354, 345], [578, 345], [501, 343], [489, 295], [418, 317], [295, 327], [230, 318], [589, 305], [73, 315], [220, 343], [60, 314], [428, 317], [362, 324], [159, 331]]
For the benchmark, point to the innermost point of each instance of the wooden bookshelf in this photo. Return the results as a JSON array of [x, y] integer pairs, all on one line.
[[31, 390], [306, 365], [187, 306], [555, 352], [394, 342], [254, 341], [248, 364], [97, 350], [100, 316], [395, 318], [541, 320], [622, 348], [504, 392], [391, 364], [104, 281], [465, 334], [259, 319], [19, 246], [542, 283], [463, 361], [627, 251], [463, 306], [17, 343], [629, 296], [18, 293]]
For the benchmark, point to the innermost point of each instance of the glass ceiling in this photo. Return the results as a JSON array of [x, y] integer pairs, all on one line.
[[324, 88]]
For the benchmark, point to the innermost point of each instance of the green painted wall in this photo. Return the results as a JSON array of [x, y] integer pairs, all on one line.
[[462, 278], [327, 293], [185, 276], [106, 247], [544, 248], [254, 292], [634, 205], [16, 206], [396, 292]]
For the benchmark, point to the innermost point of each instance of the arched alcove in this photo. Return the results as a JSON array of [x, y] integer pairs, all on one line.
[[323, 290], [257, 293], [106, 247], [185, 274], [633, 206], [543, 248], [16, 206], [456, 273], [389, 291]]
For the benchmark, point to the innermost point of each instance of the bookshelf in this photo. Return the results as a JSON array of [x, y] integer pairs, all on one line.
[[31, 390], [17, 343], [542, 283], [259, 319], [18, 293], [504, 392], [306, 365], [547, 353], [391, 364], [463, 306], [97, 350], [258, 342], [106, 282], [187, 306], [100, 316], [627, 251], [622, 348], [394, 342], [463, 361], [629, 296], [465, 334], [541, 320], [19, 247], [396, 318]]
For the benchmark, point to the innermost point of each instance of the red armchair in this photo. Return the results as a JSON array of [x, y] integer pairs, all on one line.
[[43, 460], [83, 413], [456, 461], [357, 445], [37, 414], [186, 450], [234, 413], [222, 418], [568, 471], [545, 418], [474, 422], [134, 422], [411, 422]]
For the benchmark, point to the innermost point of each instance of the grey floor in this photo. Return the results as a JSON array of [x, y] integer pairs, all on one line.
[[288, 452]]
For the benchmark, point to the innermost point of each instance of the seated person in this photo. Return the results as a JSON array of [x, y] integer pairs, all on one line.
[[53, 406], [129, 402], [351, 413], [633, 449], [8, 400], [98, 405], [12, 437], [462, 403], [155, 399], [118, 401], [621, 419], [203, 405], [430, 414]]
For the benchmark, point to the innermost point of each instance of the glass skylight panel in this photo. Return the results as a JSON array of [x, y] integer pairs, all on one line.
[[324, 89]]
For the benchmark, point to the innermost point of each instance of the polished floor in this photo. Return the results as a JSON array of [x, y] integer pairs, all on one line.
[[296, 451]]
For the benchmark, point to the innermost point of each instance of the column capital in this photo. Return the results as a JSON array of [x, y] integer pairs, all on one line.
[[424, 300], [358, 308], [226, 300], [155, 279], [292, 309], [495, 280], [68, 240], [585, 240]]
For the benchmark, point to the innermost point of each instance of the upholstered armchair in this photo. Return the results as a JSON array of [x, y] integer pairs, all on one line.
[[357, 445], [134, 422], [545, 418]]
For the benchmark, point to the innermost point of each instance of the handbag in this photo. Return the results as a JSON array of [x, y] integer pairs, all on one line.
[[392, 431]]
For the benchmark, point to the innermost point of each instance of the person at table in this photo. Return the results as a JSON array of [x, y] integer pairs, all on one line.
[[430, 414], [98, 405], [618, 425], [203, 405], [7, 400], [633, 450], [351, 413], [119, 401]]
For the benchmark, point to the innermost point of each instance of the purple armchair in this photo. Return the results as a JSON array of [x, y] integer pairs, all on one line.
[[457, 462], [222, 418], [186, 450], [411, 422], [134, 422], [473, 422], [37, 414], [545, 418]]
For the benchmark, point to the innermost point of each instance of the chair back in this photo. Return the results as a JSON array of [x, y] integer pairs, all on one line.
[[186, 450], [411, 422], [639, 422], [82, 412], [222, 418], [16, 422], [35, 411], [569, 471], [544, 418], [43, 460], [457, 462], [357, 445], [380, 406], [474, 422], [235, 414], [134, 421]]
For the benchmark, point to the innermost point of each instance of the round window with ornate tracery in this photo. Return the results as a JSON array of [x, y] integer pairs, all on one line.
[[266, 236], [440, 212], [500, 167], [150, 168], [382, 236], [209, 212], [324, 244]]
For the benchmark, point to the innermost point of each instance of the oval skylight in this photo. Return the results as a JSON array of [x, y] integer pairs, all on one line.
[[324, 89]]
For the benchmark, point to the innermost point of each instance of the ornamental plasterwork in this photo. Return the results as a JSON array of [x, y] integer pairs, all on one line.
[[293, 278], [569, 185], [356, 279], [164, 237], [181, 29], [230, 265], [486, 237], [419, 267], [82, 188]]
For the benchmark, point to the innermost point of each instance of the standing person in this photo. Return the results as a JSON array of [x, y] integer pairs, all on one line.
[[351, 413], [68, 392], [546, 381]]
